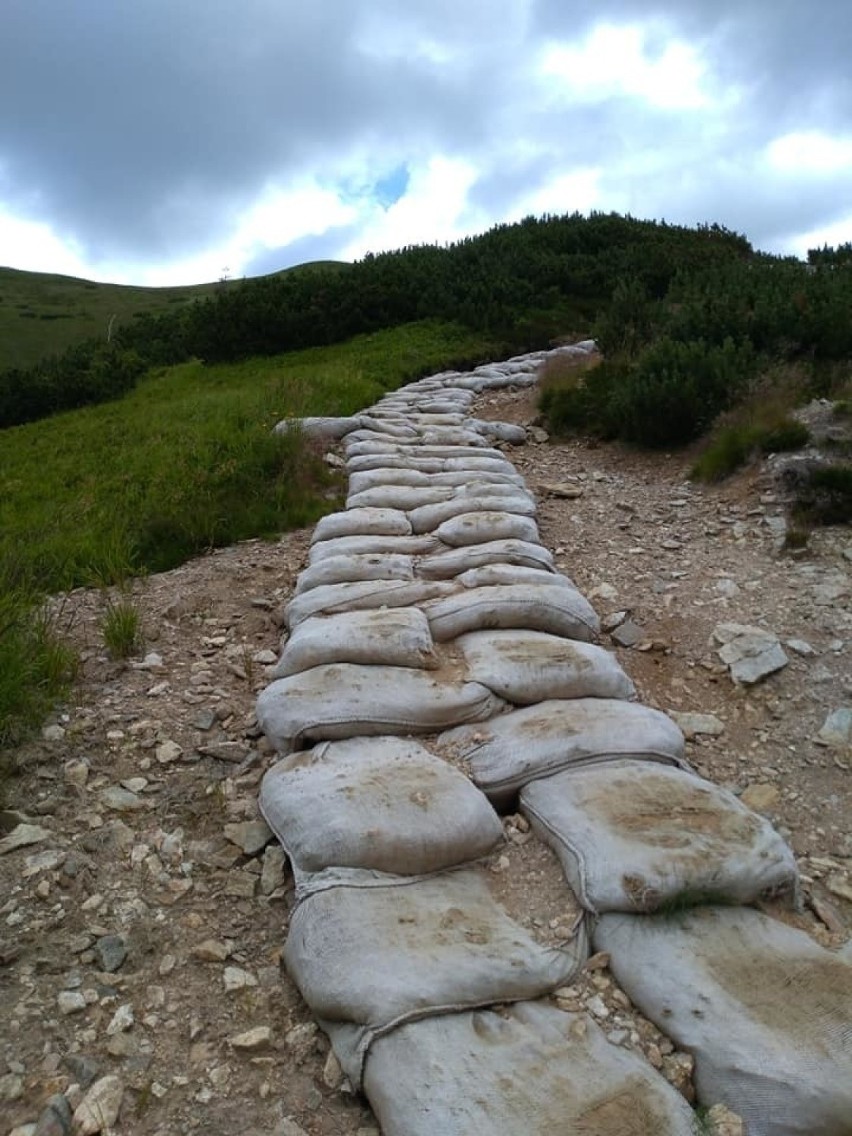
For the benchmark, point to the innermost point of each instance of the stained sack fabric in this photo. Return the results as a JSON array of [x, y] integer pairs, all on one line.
[[382, 804], [328, 599], [445, 563], [632, 836], [349, 569], [368, 960], [525, 667], [345, 700], [558, 611], [530, 1070], [362, 522], [397, 637], [766, 1012], [538, 741]]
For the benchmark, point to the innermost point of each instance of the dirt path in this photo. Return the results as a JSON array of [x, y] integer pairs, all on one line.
[[140, 936]]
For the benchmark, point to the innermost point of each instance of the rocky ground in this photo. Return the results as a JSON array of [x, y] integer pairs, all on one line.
[[142, 911]]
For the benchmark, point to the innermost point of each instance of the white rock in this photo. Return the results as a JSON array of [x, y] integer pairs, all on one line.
[[801, 647], [252, 1040], [167, 752], [71, 1002], [122, 1020], [751, 653], [22, 835], [836, 731], [53, 733], [250, 835], [693, 724], [99, 1109], [235, 978]]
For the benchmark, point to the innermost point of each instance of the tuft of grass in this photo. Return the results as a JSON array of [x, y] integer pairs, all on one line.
[[36, 665], [121, 627]]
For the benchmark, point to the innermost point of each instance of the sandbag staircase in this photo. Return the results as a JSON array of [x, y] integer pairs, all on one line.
[[438, 668]]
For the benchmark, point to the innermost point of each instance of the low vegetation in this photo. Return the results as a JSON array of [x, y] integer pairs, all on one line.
[[187, 461]]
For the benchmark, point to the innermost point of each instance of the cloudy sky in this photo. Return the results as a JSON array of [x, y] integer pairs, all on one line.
[[175, 141]]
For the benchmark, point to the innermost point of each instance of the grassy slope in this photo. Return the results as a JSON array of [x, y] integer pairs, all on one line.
[[186, 461], [42, 314]]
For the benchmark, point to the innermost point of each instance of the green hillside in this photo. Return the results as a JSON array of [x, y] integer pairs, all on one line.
[[43, 314]]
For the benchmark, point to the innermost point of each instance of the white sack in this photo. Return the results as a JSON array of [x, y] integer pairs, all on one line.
[[362, 522], [328, 599], [345, 700], [490, 575], [444, 565], [368, 545], [399, 496], [377, 957], [634, 837], [764, 1010], [525, 667], [384, 804], [508, 432], [423, 464], [370, 478], [349, 569], [486, 525], [396, 637], [430, 516], [507, 753], [558, 611], [324, 428], [529, 1070]]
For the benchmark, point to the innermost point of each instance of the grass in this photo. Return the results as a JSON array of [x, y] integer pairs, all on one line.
[[121, 627], [42, 314], [187, 461], [36, 666]]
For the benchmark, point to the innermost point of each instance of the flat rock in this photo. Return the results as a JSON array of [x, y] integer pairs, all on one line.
[[761, 797], [121, 800], [235, 978], [627, 634], [693, 724], [168, 752], [836, 730], [750, 653], [251, 836], [99, 1108], [213, 950], [22, 836], [253, 1040]]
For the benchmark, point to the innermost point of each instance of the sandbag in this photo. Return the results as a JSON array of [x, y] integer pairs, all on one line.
[[765, 1011], [370, 478], [489, 575], [345, 700], [635, 837], [362, 522], [428, 464], [372, 959], [399, 496], [369, 545], [396, 637], [486, 525], [558, 611], [331, 429], [453, 453], [525, 667], [429, 517], [538, 741], [508, 432], [384, 804], [349, 569], [328, 599], [446, 564], [529, 1070]]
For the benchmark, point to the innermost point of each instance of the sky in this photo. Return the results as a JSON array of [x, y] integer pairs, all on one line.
[[178, 141]]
